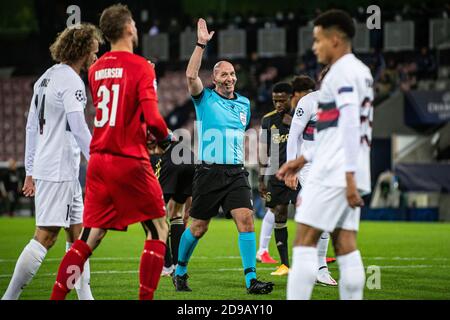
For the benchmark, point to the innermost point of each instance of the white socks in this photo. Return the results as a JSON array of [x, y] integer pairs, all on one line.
[[322, 248], [352, 277], [26, 267], [83, 286], [266, 230], [303, 274]]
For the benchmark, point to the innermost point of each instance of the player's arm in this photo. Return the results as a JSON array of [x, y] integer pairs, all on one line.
[[74, 100], [155, 122], [295, 140], [30, 149], [148, 101], [300, 120], [349, 127], [264, 155], [195, 84], [80, 131]]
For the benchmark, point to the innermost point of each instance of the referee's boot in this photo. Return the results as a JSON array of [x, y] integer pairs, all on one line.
[[260, 287], [180, 282]]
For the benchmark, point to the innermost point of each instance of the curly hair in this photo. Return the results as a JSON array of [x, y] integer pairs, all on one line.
[[113, 21], [75, 43]]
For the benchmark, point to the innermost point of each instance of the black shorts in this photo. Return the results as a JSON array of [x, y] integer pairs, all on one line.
[[217, 185], [279, 194], [175, 179]]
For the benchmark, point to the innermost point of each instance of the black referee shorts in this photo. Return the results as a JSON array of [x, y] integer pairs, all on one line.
[[219, 185], [279, 194]]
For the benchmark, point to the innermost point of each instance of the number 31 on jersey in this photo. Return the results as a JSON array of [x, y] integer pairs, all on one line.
[[105, 94]]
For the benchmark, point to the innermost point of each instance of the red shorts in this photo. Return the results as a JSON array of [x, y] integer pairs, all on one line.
[[120, 191]]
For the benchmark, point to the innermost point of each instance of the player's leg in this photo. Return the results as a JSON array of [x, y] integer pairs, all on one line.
[[30, 260], [83, 286], [305, 265], [152, 258], [351, 268], [168, 267], [281, 238], [188, 242], [243, 217], [52, 200], [324, 277], [72, 264], [187, 210], [177, 227], [264, 238], [205, 205]]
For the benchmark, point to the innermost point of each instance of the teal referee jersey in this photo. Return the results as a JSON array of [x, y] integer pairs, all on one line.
[[221, 124]]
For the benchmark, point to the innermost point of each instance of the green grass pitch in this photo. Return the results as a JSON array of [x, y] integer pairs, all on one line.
[[414, 261]]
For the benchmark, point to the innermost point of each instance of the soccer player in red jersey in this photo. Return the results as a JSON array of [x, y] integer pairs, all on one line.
[[121, 188]]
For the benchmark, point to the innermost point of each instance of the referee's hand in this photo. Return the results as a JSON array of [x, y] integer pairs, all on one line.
[[203, 35]]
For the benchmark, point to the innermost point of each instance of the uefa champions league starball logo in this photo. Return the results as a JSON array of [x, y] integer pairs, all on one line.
[[79, 95]]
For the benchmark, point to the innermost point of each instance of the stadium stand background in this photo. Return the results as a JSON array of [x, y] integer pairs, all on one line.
[[409, 58]]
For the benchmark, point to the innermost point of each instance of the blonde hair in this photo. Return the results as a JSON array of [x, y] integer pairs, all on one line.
[[75, 43]]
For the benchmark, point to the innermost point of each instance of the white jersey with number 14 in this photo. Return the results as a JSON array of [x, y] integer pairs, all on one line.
[[57, 92]]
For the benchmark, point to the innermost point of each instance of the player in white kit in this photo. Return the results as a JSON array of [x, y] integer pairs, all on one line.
[[56, 131], [340, 168], [301, 139]]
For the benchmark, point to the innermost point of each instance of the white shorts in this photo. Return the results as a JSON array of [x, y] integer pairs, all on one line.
[[326, 208], [58, 204]]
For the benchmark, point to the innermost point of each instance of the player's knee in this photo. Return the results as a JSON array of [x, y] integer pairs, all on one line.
[[198, 230], [47, 239], [280, 214], [280, 221], [174, 209], [343, 243], [341, 248], [246, 223]]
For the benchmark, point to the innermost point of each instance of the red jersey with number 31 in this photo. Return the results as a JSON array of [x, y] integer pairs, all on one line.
[[120, 84]]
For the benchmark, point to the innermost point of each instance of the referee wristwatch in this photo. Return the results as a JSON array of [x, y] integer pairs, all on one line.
[[203, 46]]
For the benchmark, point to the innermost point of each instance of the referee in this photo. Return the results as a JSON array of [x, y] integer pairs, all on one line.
[[221, 179]]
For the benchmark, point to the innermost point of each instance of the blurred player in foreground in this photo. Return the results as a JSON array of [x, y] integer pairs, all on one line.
[[121, 188], [340, 169], [56, 131]]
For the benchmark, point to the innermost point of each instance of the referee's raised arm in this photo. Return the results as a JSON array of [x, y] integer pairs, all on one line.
[[195, 84]]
